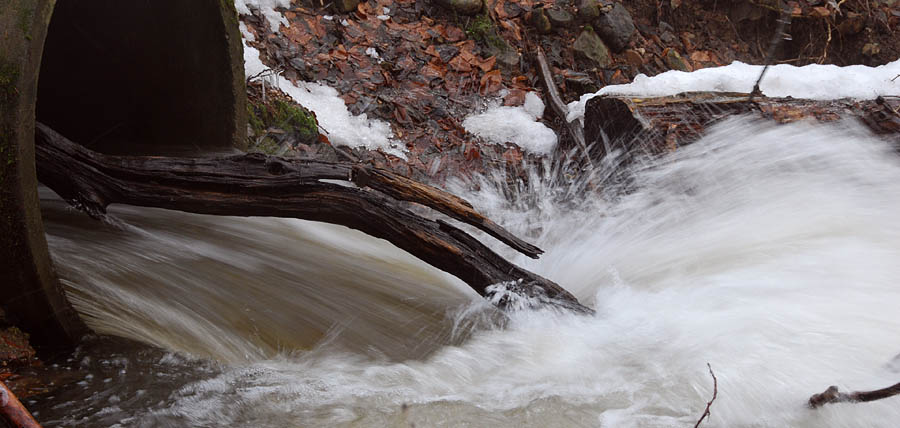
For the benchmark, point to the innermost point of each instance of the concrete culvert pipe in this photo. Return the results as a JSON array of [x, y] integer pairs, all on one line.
[[118, 76]]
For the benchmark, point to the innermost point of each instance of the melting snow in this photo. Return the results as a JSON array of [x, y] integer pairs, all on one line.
[[517, 125], [267, 9], [818, 82]]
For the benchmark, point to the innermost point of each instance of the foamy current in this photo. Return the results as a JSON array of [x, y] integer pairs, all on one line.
[[770, 252]]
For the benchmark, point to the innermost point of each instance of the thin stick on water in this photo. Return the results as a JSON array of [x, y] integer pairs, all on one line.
[[780, 35], [709, 403]]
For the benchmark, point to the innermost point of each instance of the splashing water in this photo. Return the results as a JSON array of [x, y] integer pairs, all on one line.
[[770, 252]]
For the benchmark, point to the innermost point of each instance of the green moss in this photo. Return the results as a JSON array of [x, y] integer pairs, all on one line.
[[256, 124], [290, 118], [26, 16], [266, 145], [9, 76], [483, 30]]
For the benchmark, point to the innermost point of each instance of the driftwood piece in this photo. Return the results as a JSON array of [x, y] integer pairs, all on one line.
[[13, 411], [833, 395], [259, 185], [661, 124]]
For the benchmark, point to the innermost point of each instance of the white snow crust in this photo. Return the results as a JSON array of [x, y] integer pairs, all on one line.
[[817, 82], [517, 125], [267, 9]]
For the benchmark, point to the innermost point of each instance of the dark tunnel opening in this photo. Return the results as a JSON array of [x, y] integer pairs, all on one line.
[[139, 76]]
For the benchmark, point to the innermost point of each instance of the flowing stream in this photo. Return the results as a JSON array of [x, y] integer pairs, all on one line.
[[770, 252]]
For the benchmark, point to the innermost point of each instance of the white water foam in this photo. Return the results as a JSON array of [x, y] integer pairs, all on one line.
[[768, 251]]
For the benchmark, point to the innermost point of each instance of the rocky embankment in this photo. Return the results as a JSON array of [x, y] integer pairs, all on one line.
[[425, 65]]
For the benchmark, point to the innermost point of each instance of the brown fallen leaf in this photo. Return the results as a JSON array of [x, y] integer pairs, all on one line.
[[491, 82], [820, 12], [486, 64], [459, 64], [702, 56]]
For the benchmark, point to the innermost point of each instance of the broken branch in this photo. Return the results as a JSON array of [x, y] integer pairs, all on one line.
[[833, 395], [556, 103], [13, 410], [715, 393]]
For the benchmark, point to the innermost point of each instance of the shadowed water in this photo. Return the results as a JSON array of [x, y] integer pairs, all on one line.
[[770, 252]]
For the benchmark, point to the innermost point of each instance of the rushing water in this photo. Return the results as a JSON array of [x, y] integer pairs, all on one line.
[[772, 253]]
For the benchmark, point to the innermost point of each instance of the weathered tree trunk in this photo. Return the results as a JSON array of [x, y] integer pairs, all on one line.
[[259, 185], [656, 125]]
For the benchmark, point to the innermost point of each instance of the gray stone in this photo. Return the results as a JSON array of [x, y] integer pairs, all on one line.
[[589, 45], [464, 7], [674, 60], [344, 6], [616, 27], [588, 10], [560, 17], [506, 56], [539, 21]]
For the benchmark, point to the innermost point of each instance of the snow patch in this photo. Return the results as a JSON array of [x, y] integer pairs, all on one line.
[[816, 82], [267, 9], [517, 125]]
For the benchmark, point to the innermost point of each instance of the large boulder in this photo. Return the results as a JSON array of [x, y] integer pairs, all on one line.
[[615, 27], [589, 45]]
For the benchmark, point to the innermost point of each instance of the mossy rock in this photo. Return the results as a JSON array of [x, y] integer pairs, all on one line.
[[483, 30], [281, 121]]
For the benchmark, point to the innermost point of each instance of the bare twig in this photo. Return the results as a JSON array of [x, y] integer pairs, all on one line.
[[827, 43], [709, 403], [13, 411], [779, 35], [833, 395], [895, 77]]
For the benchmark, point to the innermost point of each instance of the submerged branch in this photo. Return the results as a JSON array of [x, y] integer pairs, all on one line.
[[715, 393], [259, 185], [833, 395]]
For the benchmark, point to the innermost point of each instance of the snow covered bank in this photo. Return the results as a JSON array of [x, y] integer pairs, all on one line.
[[817, 82], [344, 129], [267, 9], [517, 125]]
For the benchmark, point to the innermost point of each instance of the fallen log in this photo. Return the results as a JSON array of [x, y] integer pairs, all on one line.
[[266, 186], [833, 395], [660, 124], [13, 411]]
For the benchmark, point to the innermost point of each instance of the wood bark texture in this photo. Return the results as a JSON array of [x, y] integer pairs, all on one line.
[[656, 125], [266, 186], [13, 411], [833, 395]]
